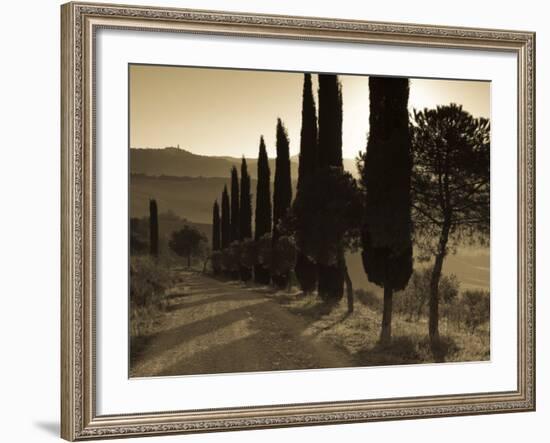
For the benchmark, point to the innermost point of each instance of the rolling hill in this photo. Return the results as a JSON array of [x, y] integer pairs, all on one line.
[[187, 184], [178, 162], [188, 197]]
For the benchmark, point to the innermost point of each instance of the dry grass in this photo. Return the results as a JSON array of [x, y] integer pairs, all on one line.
[[149, 283], [358, 333], [144, 320]]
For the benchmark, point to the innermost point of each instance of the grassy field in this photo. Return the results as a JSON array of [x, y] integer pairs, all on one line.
[[358, 333]]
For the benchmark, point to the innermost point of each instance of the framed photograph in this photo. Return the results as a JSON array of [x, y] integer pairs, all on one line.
[[283, 221]]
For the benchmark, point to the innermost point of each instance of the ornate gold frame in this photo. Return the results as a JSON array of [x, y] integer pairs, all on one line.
[[79, 420]]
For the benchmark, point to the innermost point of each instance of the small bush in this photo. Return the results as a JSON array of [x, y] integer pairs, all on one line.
[[148, 284], [231, 259], [248, 253], [265, 251], [413, 300], [217, 262], [283, 256], [148, 281], [477, 307], [470, 310]]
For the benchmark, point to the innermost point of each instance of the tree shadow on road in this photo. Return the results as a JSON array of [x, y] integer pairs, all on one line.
[[155, 344]]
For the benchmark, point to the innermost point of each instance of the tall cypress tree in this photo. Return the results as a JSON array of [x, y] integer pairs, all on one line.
[[153, 228], [331, 254], [235, 215], [226, 220], [330, 121], [216, 241], [245, 227], [263, 208], [306, 269], [386, 177], [282, 192]]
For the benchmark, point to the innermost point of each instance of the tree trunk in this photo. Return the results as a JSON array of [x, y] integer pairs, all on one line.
[[385, 335], [433, 325], [289, 278], [321, 282], [349, 289]]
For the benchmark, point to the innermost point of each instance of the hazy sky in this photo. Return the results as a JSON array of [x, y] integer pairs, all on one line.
[[224, 112]]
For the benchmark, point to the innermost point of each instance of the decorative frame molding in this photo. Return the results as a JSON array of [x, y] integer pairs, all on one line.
[[79, 21]]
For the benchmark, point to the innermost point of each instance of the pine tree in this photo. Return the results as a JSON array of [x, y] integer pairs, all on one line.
[[386, 178], [263, 209], [226, 220], [331, 257], [153, 228], [282, 192], [235, 216], [451, 165], [245, 223], [216, 241], [306, 269]]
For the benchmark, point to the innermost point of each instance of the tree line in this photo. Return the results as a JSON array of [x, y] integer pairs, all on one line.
[[423, 182]]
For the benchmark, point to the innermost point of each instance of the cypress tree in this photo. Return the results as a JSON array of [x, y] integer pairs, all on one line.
[[235, 217], [308, 137], [282, 192], [245, 227], [263, 208], [386, 177], [216, 241], [226, 220], [153, 229], [331, 255], [330, 121], [306, 268]]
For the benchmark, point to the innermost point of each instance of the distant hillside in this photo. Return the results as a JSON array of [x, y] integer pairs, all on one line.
[[188, 197], [181, 163]]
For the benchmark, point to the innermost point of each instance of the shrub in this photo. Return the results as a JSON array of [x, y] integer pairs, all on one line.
[[470, 310], [413, 300], [265, 251], [138, 237], [476, 304], [283, 256], [231, 260], [217, 262], [248, 254], [148, 281]]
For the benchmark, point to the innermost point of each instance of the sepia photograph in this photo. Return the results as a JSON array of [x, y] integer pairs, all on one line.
[[304, 220]]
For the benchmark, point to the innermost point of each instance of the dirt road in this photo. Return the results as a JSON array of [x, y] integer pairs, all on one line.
[[215, 327]]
